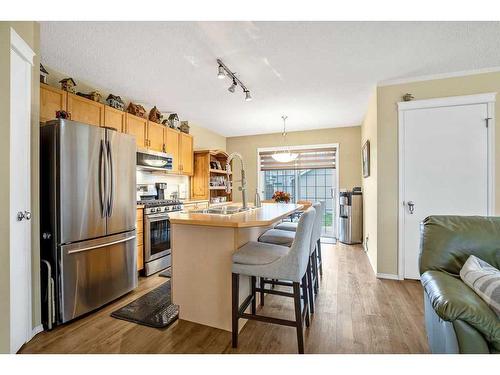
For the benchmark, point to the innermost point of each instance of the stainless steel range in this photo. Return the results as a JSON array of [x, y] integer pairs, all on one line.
[[157, 252]]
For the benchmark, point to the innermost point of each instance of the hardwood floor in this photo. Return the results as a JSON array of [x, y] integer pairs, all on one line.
[[355, 313]]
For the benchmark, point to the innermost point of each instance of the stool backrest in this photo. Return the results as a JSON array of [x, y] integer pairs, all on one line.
[[318, 218], [298, 256]]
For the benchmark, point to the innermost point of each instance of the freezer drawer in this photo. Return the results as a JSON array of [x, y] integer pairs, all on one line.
[[96, 272]]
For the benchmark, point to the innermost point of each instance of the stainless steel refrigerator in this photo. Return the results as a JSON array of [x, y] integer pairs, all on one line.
[[88, 213]]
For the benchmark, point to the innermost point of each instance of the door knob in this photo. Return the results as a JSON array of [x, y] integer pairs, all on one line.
[[27, 215], [20, 216], [411, 207]]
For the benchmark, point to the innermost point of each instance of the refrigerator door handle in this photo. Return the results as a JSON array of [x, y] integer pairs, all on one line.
[[102, 180], [101, 245], [111, 178]]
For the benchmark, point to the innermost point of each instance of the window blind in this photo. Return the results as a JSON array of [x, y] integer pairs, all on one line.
[[313, 158]]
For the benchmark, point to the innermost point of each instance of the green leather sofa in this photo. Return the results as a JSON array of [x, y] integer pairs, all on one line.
[[457, 319]]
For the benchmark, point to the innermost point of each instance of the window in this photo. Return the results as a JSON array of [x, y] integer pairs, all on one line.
[[305, 184]]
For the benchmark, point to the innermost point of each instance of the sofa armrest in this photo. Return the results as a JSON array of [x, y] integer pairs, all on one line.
[[453, 300]]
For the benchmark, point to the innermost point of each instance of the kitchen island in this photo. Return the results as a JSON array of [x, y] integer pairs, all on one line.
[[202, 249]]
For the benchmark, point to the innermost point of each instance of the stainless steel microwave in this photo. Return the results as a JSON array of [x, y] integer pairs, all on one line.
[[153, 160]]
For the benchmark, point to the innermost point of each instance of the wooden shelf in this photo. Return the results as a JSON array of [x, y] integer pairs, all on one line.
[[219, 171], [217, 188]]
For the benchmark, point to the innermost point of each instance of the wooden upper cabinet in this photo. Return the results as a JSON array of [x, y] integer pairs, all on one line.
[[51, 100], [114, 118], [156, 136], [138, 127], [172, 147], [85, 110], [186, 151]]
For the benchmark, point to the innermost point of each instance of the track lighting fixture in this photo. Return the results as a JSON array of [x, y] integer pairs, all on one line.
[[224, 71], [221, 74], [232, 87]]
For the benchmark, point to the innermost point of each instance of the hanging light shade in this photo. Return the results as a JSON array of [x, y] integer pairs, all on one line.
[[284, 156]]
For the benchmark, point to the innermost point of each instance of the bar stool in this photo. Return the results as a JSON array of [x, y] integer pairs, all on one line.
[[292, 227], [287, 264], [284, 237]]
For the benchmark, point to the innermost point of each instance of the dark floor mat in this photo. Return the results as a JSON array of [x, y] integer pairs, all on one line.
[[166, 273], [154, 309]]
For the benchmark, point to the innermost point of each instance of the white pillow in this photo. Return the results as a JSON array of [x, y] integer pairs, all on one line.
[[484, 279]]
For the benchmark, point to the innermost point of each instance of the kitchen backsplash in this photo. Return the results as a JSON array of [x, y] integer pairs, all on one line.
[[174, 183]]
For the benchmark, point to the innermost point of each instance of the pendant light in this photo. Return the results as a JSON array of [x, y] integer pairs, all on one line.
[[284, 156]]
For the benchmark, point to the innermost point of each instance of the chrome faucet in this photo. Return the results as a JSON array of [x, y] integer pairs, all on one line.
[[243, 187]]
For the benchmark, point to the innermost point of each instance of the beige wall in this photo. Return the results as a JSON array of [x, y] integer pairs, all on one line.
[[387, 97], [30, 32], [348, 138], [369, 184], [204, 138]]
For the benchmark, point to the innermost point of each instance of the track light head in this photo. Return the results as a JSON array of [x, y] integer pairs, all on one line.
[[221, 74], [248, 97], [232, 87]]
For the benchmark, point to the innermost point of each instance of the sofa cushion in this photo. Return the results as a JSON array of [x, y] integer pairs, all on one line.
[[453, 300], [484, 279], [447, 241]]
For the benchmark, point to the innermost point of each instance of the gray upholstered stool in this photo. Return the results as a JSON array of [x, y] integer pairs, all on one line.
[[292, 227], [278, 237], [287, 225], [287, 264], [285, 237]]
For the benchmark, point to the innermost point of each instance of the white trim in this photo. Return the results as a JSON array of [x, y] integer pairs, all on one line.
[[430, 77], [448, 101], [388, 276], [36, 330], [486, 98], [21, 47], [301, 147]]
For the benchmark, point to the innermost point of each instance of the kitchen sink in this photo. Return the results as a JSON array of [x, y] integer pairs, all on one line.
[[224, 210]]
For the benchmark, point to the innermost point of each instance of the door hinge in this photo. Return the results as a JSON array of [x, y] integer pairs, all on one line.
[[488, 121]]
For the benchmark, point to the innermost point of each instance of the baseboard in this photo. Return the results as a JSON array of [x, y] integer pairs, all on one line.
[[36, 330], [389, 276]]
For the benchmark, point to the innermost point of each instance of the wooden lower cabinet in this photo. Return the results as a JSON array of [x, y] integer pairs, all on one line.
[[139, 227], [114, 118], [85, 110], [51, 100]]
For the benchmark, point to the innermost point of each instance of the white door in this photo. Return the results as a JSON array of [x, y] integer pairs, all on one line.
[[444, 169], [20, 227]]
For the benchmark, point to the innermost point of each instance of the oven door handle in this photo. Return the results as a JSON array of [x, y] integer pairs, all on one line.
[[158, 217]]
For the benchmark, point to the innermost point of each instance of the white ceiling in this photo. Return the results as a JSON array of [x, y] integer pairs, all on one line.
[[320, 74]]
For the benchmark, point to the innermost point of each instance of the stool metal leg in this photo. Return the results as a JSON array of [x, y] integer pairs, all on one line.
[[298, 317], [253, 281], [310, 286], [320, 259], [235, 302], [261, 282], [306, 300]]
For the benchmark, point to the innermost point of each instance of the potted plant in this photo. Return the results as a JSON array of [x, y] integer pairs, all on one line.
[[281, 197]]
